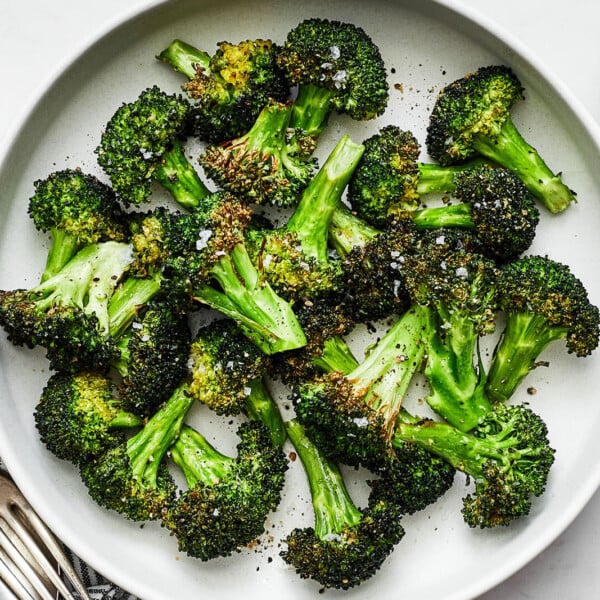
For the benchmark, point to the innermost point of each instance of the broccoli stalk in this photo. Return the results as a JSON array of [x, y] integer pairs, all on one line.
[[260, 406], [543, 302], [508, 455], [472, 116], [228, 498], [131, 478], [352, 416], [347, 545]]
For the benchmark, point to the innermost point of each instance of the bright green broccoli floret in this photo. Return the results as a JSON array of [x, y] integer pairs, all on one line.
[[68, 313], [79, 416], [228, 498], [295, 258], [543, 301], [77, 209], [337, 67], [471, 116], [229, 88], [224, 363], [495, 204], [352, 416], [455, 293], [347, 545], [270, 164], [508, 455], [132, 478], [141, 144]]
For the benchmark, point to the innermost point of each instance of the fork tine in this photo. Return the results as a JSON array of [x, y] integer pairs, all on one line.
[[40, 563], [34, 534], [15, 580]]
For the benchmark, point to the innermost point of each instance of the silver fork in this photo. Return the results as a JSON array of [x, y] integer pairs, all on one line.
[[31, 558]]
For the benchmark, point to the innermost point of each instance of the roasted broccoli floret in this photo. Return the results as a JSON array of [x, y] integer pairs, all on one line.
[[352, 416], [389, 180], [152, 357], [270, 164], [230, 88], [454, 291], [79, 416], [228, 498], [508, 455], [347, 545], [131, 478], [371, 265], [68, 313], [495, 204], [142, 144], [296, 257], [543, 301], [224, 363], [471, 116], [337, 67], [77, 209]]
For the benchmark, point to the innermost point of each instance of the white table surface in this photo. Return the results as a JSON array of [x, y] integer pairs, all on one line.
[[36, 36]]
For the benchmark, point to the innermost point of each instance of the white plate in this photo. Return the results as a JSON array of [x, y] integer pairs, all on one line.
[[427, 44]]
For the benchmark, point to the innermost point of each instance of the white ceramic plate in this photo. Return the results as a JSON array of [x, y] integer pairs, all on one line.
[[427, 44]]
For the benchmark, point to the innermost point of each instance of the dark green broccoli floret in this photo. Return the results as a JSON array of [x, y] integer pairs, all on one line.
[[141, 144], [347, 545], [412, 479], [389, 181], [77, 209], [352, 416], [471, 116], [295, 258], [266, 165], [229, 88], [543, 301], [68, 313], [371, 265], [228, 498], [337, 67], [131, 477], [223, 364], [495, 204], [153, 357], [79, 417], [454, 291], [508, 455]]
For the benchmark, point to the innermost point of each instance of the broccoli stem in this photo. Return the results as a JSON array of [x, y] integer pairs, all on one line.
[[455, 215], [434, 178], [261, 407], [311, 218], [266, 318], [198, 459], [63, 247], [147, 448], [185, 58], [525, 336], [334, 508], [87, 281], [383, 377], [125, 420], [346, 230], [509, 149], [177, 175], [457, 388], [311, 109], [128, 300], [336, 356]]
